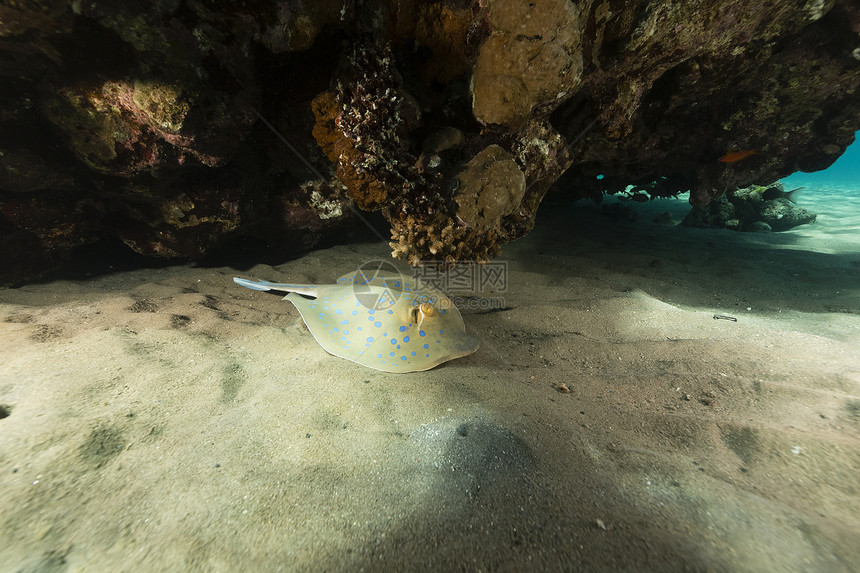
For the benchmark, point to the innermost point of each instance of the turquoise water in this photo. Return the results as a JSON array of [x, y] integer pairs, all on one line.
[[834, 194], [845, 171]]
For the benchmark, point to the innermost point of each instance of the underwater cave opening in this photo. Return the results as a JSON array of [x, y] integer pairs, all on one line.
[[845, 171]]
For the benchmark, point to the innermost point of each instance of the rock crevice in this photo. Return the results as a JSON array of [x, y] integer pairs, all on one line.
[[452, 118]]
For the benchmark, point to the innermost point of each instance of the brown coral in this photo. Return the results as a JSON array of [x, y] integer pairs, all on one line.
[[531, 59], [441, 241], [490, 187], [610, 93]]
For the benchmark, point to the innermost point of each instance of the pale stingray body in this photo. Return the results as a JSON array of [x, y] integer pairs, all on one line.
[[386, 323]]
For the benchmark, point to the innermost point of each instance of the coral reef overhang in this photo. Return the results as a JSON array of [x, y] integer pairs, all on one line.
[[142, 122]]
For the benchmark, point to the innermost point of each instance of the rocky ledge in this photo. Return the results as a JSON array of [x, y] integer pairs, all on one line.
[[176, 126], [756, 208]]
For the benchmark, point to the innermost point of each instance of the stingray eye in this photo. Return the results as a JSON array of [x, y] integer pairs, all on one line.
[[427, 309], [424, 310]]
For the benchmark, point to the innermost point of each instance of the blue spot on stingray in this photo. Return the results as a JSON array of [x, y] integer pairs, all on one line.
[[426, 346], [413, 354], [379, 355], [398, 347], [390, 312], [344, 322], [438, 342], [402, 329], [391, 354], [402, 358], [377, 324], [354, 313], [370, 339], [358, 328], [338, 311], [428, 356], [371, 311], [405, 339], [441, 332], [422, 333], [393, 341], [346, 332], [334, 329]]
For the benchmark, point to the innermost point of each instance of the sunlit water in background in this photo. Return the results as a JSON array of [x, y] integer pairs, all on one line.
[[834, 195]]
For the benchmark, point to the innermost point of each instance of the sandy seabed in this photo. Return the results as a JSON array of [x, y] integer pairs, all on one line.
[[167, 419]]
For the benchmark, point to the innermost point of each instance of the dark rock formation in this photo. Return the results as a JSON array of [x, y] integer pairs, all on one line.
[[749, 209], [149, 122]]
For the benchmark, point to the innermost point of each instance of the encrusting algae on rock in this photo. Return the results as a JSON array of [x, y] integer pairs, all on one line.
[[143, 99], [365, 126], [459, 190]]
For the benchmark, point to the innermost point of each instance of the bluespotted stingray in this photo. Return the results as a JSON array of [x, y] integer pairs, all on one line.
[[383, 322]]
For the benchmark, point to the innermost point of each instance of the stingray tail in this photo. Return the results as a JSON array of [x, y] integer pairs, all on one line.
[[308, 290]]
